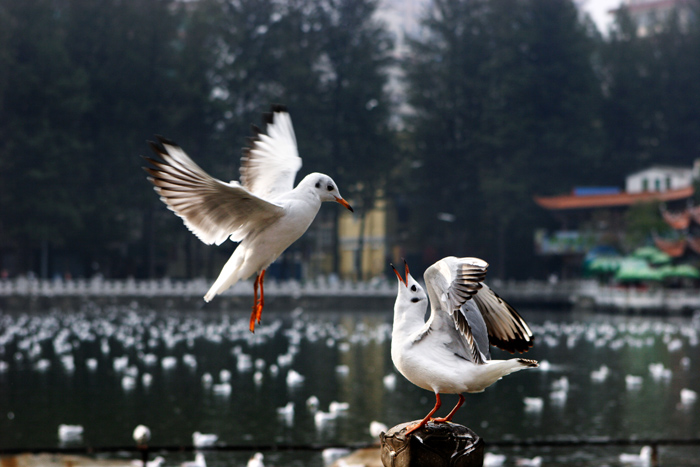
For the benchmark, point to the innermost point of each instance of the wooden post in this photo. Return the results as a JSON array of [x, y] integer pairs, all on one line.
[[144, 454], [434, 445]]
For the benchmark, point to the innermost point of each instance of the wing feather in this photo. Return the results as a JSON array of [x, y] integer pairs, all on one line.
[[212, 209], [453, 282], [271, 162], [507, 329]]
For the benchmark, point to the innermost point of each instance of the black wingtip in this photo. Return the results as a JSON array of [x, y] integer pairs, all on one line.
[[155, 147], [276, 108], [164, 140], [529, 363], [269, 117]]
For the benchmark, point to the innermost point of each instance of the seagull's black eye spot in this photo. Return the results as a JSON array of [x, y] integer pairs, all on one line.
[[330, 187], [318, 184], [415, 300], [413, 288]]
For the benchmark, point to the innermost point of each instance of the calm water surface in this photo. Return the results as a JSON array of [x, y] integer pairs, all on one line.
[[110, 370]]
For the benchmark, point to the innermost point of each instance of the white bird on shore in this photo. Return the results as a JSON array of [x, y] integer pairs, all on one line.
[[264, 212], [449, 354]]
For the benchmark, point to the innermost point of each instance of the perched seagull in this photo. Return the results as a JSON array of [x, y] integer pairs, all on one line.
[[449, 354], [264, 212]]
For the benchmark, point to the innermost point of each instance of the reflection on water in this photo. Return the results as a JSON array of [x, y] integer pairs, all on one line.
[[110, 370]]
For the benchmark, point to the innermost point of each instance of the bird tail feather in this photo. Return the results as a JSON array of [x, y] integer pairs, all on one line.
[[229, 275]]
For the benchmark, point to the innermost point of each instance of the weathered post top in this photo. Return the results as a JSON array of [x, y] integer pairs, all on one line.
[[433, 445]]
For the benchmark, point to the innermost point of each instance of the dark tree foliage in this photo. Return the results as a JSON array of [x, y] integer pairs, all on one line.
[[652, 105], [354, 60], [44, 97], [506, 103], [91, 81], [507, 99]]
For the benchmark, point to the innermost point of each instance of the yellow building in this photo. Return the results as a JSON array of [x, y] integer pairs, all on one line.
[[373, 241]]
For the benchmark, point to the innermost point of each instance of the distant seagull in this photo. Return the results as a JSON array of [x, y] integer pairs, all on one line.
[[312, 403], [287, 412], [525, 462], [389, 381], [256, 460], [533, 404], [264, 212], [449, 354], [294, 379], [601, 374], [67, 433], [336, 407], [157, 462], [643, 458], [493, 460], [199, 461], [688, 396], [202, 440], [633, 382], [142, 434], [377, 428]]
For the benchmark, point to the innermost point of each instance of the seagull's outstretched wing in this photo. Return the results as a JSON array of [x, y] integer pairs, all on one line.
[[451, 283], [213, 210], [271, 162], [507, 330]]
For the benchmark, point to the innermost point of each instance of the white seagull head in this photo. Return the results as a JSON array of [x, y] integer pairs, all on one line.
[[411, 294], [324, 187]]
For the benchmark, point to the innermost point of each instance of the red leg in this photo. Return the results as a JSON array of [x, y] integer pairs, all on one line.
[[452, 413], [254, 313], [262, 297], [422, 423]]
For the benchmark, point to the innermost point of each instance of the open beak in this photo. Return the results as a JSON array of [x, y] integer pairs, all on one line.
[[345, 203], [398, 275], [403, 281]]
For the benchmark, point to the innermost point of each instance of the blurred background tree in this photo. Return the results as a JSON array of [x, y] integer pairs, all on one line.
[[502, 100]]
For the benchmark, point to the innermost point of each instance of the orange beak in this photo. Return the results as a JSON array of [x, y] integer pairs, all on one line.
[[403, 281], [398, 275], [345, 203]]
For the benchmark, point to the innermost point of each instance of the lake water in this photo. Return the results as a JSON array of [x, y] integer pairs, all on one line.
[[112, 369]]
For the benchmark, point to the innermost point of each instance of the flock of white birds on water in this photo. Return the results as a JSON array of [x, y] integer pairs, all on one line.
[[135, 343]]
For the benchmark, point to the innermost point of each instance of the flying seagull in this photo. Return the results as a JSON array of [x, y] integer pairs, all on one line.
[[449, 353], [264, 211]]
